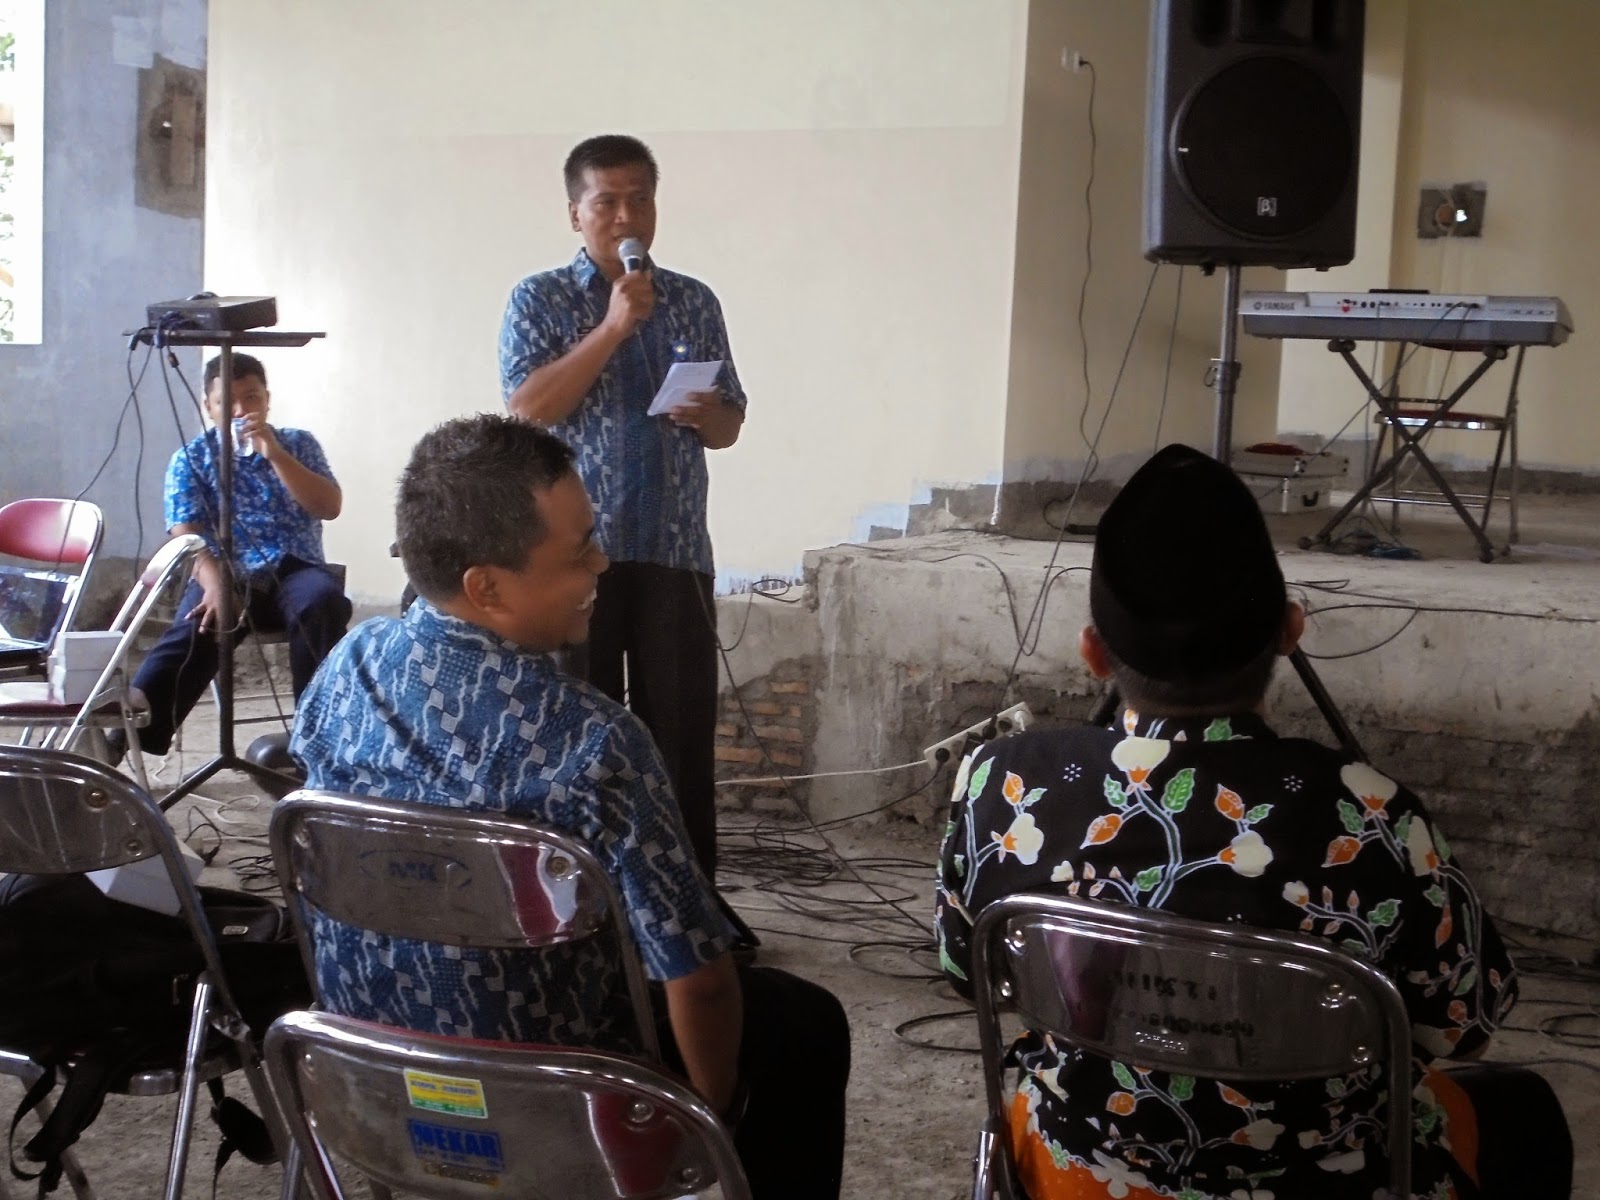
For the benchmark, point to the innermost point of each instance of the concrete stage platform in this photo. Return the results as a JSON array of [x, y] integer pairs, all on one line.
[[1474, 683]]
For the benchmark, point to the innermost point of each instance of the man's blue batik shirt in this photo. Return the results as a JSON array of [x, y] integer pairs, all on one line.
[[645, 475], [268, 523], [436, 710]]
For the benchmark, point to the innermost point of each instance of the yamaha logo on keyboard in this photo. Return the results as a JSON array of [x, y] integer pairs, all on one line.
[[1266, 206]]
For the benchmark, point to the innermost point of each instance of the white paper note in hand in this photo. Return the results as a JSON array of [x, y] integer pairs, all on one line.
[[682, 379]]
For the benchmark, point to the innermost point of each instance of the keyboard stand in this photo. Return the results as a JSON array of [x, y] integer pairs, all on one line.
[[1407, 442]]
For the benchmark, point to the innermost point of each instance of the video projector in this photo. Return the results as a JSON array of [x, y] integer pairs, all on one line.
[[212, 313]]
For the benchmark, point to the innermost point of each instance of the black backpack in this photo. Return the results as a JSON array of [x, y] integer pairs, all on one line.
[[92, 988]]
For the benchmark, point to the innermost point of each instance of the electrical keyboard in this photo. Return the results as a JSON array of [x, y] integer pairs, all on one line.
[[1424, 317]]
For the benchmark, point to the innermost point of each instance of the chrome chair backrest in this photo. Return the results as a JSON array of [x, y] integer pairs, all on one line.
[[440, 1117], [448, 876], [1169, 993], [164, 568], [57, 533], [63, 814], [48, 530]]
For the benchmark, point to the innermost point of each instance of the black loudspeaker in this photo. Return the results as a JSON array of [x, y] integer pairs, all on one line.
[[1252, 132]]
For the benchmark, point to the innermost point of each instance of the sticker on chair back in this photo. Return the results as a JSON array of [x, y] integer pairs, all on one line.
[[469, 1155], [448, 1094]]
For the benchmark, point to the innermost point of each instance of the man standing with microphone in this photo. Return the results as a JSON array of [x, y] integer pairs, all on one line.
[[584, 349]]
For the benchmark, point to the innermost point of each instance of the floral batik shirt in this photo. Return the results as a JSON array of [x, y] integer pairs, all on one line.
[[1219, 819]]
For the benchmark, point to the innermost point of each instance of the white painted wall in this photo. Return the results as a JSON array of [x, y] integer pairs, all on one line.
[[1317, 393], [1460, 90], [842, 172], [1506, 94], [1046, 396]]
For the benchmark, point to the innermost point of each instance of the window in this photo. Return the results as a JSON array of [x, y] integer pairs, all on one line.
[[21, 169]]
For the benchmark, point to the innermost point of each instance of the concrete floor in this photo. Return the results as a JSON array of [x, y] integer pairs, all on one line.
[[913, 1111]]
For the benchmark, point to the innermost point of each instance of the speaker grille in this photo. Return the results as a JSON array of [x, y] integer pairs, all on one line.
[[1263, 147]]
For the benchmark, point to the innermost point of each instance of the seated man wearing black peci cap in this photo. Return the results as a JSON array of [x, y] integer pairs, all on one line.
[[1189, 802]]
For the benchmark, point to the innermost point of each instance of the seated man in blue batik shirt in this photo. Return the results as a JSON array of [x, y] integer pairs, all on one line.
[[1189, 802], [461, 703], [283, 490]]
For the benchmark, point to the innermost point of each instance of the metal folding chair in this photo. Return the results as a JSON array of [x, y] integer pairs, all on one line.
[[29, 705], [448, 876], [1428, 414], [441, 1117], [64, 814], [1091, 976], [51, 535], [457, 878]]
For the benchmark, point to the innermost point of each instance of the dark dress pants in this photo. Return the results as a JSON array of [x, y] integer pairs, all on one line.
[[653, 646], [300, 598], [794, 1065]]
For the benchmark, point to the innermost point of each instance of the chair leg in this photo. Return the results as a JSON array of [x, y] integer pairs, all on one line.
[[72, 1169], [183, 1126], [1515, 535], [293, 1181], [135, 755], [991, 1179]]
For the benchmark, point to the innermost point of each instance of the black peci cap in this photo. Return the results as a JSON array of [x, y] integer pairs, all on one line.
[[1185, 585]]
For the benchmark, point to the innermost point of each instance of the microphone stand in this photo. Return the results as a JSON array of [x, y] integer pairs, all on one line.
[[227, 758], [1225, 381]]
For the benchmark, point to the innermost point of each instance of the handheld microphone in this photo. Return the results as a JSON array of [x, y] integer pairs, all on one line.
[[631, 251]]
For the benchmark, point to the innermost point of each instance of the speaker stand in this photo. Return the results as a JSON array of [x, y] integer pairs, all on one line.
[[1226, 383], [228, 757], [1225, 367]]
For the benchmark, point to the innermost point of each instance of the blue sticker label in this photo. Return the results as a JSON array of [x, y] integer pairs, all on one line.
[[460, 1153]]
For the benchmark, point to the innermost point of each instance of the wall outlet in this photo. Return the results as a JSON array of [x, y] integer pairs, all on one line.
[[1010, 720], [1072, 60], [1451, 210]]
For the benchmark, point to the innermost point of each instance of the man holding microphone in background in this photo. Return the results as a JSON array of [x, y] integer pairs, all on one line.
[[584, 349]]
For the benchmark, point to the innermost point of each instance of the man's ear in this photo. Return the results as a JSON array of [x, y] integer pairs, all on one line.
[[572, 215], [480, 588], [1294, 627], [1094, 653]]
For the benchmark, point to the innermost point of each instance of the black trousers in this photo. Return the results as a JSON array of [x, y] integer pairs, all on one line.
[[794, 1061], [300, 597], [1524, 1144], [653, 646]]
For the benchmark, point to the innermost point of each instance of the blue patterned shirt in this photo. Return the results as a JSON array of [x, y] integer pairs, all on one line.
[[268, 523], [436, 710], [645, 475]]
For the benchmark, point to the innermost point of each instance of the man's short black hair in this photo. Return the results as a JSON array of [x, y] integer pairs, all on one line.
[[1239, 690], [466, 498], [245, 366], [600, 153]]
